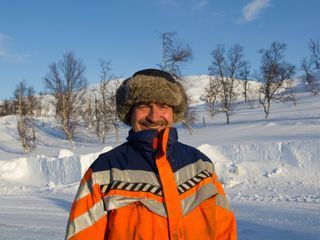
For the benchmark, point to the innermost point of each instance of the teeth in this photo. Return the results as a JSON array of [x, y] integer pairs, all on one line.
[[154, 127]]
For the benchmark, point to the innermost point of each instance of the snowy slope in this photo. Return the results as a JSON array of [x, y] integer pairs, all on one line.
[[269, 167]]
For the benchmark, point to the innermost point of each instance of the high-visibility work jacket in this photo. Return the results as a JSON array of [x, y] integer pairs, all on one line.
[[151, 188]]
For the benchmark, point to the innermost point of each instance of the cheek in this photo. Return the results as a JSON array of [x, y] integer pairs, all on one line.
[[137, 115], [169, 117]]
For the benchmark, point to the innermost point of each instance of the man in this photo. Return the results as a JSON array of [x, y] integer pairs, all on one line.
[[152, 186]]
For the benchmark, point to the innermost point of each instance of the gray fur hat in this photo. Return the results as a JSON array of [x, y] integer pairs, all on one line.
[[150, 85]]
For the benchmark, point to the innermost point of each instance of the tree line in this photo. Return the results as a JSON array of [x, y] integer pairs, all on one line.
[[66, 87]]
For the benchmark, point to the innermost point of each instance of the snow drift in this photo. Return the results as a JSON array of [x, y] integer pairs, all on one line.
[[236, 164]]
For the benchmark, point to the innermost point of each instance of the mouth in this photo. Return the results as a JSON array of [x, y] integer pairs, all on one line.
[[153, 126]]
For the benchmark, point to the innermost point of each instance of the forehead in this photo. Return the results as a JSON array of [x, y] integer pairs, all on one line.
[[152, 104]]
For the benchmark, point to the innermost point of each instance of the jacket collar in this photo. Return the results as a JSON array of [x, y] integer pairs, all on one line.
[[143, 141]]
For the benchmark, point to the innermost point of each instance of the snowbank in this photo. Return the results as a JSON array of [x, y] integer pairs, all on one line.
[[38, 170], [236, 164], [251, 163], [14, 170]]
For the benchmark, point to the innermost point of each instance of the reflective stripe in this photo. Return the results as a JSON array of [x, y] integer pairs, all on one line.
[[186, 178], [132, 187], [116, 201], [104, 188], [129, 176], [138, 186], [191, 202], [193, 181], [140, 176], [191, 170], [84, 190], [86, 220], [223, 202], [187, 204], [134, 176], [154, 206], [102, 177], [120, 186]]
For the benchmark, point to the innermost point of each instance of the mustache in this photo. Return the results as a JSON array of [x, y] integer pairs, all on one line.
[[148, 123]]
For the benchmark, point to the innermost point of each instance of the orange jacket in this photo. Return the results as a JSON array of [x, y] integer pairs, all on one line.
[[167, 191]]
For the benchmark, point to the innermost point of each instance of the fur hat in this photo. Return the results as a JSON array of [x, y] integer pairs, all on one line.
[[150, 85]]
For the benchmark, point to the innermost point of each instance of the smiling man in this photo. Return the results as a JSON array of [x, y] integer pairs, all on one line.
[[152, 186], [147, 116]]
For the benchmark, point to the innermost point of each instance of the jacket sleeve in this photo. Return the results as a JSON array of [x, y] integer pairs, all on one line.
[[225, 219], [88, 219]]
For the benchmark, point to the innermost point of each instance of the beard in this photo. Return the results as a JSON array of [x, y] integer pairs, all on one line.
[[149, 124]]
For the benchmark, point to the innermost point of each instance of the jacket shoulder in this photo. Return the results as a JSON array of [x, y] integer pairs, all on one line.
[[192, 152], [110, 159], [184, 155]]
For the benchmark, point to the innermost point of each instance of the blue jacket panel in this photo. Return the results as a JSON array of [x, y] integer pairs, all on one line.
[[138, 153]]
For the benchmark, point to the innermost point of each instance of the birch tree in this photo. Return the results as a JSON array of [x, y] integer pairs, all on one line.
[[174, 55], [224, 70], [24, 98], [66, 81], [275, 76]]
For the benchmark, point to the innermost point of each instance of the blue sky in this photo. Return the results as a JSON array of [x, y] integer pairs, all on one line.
[[35, 33]]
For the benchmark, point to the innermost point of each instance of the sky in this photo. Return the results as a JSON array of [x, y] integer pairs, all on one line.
[[36, 33]]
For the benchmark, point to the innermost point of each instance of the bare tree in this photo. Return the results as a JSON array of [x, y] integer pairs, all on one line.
[[174, 55], [108, 100], [224, 71], [43, 105], [22, 96], [314, 46], [100, 112], [212, 93], [312, 65], [189, 117], [29, 106], [25, 101], [33, 104], [6, 107], [244, 75], [313, 84], [66, 81], [88, 112], [275, 76]]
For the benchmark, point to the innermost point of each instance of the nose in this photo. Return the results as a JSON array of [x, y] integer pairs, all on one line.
[[153, 114]]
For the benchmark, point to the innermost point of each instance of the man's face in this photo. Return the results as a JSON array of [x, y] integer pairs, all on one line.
[[151, 116]]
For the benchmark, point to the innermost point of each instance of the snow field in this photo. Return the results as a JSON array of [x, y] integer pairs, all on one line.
[[269, 168]]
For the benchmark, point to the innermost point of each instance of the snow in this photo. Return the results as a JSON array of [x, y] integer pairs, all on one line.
[[13, 170], [269, 168]]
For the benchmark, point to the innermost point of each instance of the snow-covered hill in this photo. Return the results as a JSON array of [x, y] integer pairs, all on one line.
[[270, 168]]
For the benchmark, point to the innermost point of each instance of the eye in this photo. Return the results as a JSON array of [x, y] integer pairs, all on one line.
[[164, 106], [141, 106]]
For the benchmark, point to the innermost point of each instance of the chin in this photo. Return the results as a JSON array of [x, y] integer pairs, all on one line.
[[155, 128]]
